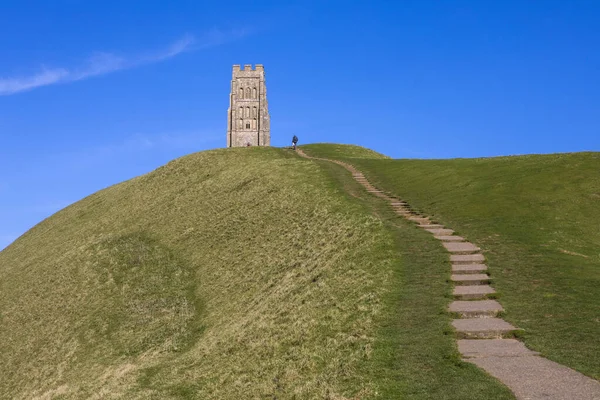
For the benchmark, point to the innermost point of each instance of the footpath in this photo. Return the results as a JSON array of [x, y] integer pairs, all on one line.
[[483, 338]]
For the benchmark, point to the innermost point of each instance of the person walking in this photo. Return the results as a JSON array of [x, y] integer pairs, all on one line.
[[294, 141]]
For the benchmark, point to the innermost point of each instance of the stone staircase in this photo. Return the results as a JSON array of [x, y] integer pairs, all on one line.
[[483, 338], [476, 313]]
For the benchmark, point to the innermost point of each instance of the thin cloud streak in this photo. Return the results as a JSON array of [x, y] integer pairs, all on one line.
[[104, 63], [98, 64], [44, 78]]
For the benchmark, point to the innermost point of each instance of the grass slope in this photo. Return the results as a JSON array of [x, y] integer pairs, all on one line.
[[415, 354], [229, 274], [226, 274], [537, 217]]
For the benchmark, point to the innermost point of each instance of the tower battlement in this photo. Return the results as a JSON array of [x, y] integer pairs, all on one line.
[[248, 121], [247, 69]]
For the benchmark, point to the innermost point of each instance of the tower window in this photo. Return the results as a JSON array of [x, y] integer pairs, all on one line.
[[253, 93], [241, 96], [248, 125]]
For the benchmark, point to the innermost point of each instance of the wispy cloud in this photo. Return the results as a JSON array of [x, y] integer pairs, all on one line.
[[98, 64], [43, 78], [101, 63]]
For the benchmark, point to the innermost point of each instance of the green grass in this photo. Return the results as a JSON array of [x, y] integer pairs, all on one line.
[[537, 217], [345, 151], [414, 353], [229, 274]]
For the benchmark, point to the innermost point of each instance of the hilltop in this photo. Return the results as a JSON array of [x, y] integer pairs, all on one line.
[[224, 274], [254, 273]]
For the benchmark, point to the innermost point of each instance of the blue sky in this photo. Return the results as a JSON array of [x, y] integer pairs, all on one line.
[[96, 92]]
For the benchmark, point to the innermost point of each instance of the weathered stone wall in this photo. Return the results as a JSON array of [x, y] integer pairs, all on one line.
[[248, 118]]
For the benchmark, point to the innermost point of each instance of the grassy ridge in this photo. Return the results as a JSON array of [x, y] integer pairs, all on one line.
[[229, 274], [537, 219]]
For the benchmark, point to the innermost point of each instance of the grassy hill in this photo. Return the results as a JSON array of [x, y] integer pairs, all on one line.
[[230, 274], [538, 219]]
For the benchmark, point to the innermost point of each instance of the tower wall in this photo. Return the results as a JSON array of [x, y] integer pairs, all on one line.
[[248, 118]]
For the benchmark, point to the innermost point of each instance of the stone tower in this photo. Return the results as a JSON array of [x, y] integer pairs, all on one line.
[[248, 114]]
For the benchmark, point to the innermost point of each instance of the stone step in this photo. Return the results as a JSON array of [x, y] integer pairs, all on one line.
[[432, 226], [419, 220], [470, 279], [474, 292], [537, 378], [467, 258], [450, 238], [439, 231], [475, 308], [477, 348], [468, 268], [460, 247], [482, 328]]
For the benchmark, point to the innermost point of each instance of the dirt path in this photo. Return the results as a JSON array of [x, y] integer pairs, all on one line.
[[483, 338]]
